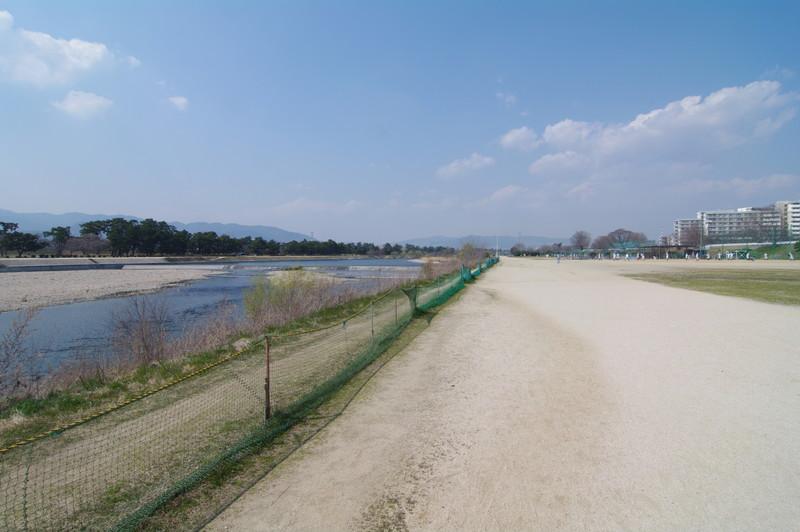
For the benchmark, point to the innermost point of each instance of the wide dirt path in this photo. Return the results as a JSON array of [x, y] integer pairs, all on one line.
[[561, 396]]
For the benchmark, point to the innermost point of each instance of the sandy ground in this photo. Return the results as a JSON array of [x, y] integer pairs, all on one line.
[[562, 397], [34, 289]]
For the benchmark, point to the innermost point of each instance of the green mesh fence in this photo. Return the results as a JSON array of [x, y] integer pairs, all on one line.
[[115, 469]]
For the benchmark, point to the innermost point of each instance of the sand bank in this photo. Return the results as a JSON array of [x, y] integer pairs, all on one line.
[[35, 289]]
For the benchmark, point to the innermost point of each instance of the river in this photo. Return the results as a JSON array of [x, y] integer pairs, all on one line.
[[69, 332]]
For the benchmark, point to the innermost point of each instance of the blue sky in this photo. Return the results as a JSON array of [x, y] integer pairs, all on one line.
[[390, 120]]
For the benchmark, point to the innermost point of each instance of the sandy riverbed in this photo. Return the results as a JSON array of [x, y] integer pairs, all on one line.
[[562, 397], [34, 289]]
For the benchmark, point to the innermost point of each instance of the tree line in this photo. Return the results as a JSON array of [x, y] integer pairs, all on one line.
[[124, 238], [582, 240]]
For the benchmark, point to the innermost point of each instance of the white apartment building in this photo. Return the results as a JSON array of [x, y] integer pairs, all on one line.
[[686, 232], [780, 221], [744, 223], [790, 217]]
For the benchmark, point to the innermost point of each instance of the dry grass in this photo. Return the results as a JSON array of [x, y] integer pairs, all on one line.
[[770, 286]]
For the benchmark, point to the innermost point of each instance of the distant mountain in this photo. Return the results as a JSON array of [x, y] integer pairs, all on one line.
[[505, 241], [38, 222]]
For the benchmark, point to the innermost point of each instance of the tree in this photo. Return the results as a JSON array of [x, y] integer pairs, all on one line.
[[95, 227], [87, 245], [59, 236], [581, 239], [601, 242], [518, 249], [23, 243], [123, 235], [6, 228], [624, 238]]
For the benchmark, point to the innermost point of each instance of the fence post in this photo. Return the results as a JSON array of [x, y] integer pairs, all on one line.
[[372, 318], [395, 311], [267, 398]]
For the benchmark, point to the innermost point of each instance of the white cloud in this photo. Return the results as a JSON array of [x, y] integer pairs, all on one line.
[[691, 132], [505, 193], [506, 97], [559, 163], [6, 20], [522, 139], [181, 103], [83, 104], [474, 162], [133, 62], [39, 59], [581, 191]]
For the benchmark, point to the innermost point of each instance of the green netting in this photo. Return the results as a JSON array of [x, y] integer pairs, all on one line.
[[114, 470]]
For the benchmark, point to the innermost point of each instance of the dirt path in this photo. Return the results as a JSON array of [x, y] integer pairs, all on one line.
[[561, 397]]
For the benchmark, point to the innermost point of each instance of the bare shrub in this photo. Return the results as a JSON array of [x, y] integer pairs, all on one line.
[[433, 268], [140, 330], [470, 255], [16, 358], [211, 333], [292, 294]]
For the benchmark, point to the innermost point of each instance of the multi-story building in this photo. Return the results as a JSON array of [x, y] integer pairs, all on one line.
[[742, 224], [686, 232], [780, 221], [790, 217]]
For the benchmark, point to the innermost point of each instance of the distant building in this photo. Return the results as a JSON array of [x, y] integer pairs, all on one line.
[[743, 224], [790, 217], [780, 221], [686, 232]]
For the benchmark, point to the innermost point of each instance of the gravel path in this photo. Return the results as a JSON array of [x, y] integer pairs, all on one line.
[[562, 397], [33, 289]]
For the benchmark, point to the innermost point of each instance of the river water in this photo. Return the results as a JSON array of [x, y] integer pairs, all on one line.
[[69, 332]]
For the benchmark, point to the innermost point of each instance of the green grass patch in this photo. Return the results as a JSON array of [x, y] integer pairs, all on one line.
[[770, 286], [780, 251]]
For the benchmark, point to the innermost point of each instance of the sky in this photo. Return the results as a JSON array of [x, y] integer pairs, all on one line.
[[383, 121]]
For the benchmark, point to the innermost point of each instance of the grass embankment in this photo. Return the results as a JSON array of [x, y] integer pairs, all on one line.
[[770, 286], [27, 417]]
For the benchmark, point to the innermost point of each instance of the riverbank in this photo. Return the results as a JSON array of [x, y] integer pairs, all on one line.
[[20, 290]]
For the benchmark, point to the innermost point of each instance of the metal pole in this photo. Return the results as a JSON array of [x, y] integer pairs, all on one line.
[[267, 398], [372, 318]]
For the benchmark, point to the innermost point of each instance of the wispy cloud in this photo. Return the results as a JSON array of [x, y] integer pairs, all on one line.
[[474, 162], [83, 105], [521, 139], [181, 103], [506, 97]]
